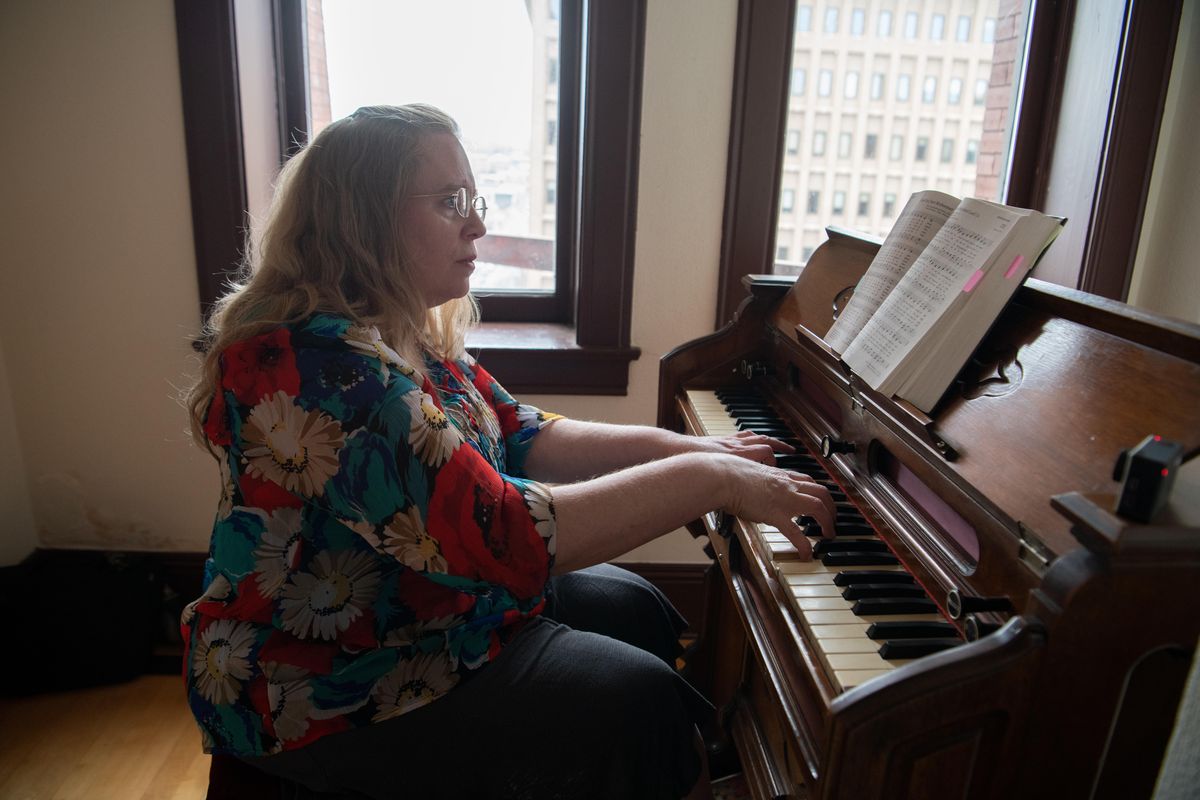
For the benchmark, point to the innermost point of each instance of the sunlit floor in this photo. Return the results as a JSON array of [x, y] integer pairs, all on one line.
[[129, 741]]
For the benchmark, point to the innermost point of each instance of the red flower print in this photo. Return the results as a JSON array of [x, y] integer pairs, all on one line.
[[484, 527], [266, 495], [216, 426], [429, 599], [260, 366]]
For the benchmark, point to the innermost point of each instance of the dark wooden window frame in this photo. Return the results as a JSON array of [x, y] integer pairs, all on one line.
[[580, 344], [762, 64]]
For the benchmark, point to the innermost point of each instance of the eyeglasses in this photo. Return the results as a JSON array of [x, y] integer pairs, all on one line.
[[462, 202]]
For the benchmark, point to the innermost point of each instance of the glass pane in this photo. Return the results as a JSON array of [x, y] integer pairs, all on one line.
[[927, 103], [498, 77]]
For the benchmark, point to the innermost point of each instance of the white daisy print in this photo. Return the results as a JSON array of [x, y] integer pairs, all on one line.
[[540, 503], [412, 684], [291, 707], [368, 341], [321, 603], [416, 631], [430, 433], [221, 660], [294, 448], [405, 539], [218, 589], [278, 548]]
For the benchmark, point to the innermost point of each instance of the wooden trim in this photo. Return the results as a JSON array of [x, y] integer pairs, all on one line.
[[1127, 163], [212, 118], [289, 19], [614, 39], [758, 121]]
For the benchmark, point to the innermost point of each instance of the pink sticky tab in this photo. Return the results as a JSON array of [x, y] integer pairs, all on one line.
[[1015, 266], [974, 280]]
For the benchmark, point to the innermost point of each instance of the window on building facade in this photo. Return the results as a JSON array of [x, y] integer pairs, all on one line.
[[814, 202], [831, 19], [878, 83], [937, 27], [851, 86], [912, 24], [798, 80], [858, 21], [903, 87], [922, 148], [818, 143], [962, 32], [839, 202], [972, 151], [896, 148], [825, 83], [947, 150], [929, 89], [864, 204], [803, 18], [869, 145], [845, 143], [889, 204], [788, 200], [793, 142], [954, 91], [883, 27]]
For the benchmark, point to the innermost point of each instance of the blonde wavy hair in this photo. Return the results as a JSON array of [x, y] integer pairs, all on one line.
[[332, 242]]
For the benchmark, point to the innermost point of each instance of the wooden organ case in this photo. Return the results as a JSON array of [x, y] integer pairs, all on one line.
[[1066, 632]]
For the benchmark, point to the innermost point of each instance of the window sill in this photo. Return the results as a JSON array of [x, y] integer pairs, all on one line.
[[544, 358]]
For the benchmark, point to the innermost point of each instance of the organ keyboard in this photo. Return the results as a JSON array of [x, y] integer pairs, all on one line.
[[982, 624]]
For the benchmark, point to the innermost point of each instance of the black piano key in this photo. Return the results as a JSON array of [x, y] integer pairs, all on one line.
[[856, 558], [857, 591], [824, 546], [917, 629], [883, 606], [871, 576], [915, 648]]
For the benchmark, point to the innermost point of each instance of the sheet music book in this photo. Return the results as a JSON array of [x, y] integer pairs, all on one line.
[[942, 276]]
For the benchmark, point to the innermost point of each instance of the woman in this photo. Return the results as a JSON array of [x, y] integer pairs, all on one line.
[[379, 615]]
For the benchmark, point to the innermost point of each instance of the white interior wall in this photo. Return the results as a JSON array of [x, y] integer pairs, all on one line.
[[1166, 276]]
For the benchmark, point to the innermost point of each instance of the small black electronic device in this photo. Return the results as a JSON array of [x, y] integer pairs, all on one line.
[[1147, 473]]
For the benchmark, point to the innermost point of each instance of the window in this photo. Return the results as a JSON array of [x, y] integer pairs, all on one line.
[[851, 86], [799, 75], [972, 151], [937, 27], [869, 145], [552, 70], [825, 83], [793, 141], [883, 28], [877, 86], [781, 252], [981, 87], [819, 143], [929, 89], [864, 204], [954, 91], [889, 204], [804, 19], [551, 133], [788, 201], [947, 150], [922, 148], [858, 20], [989, 29], [963, 32], [896, 149], [845, 143], [814, 202], [903, 87], [839, 202], [831, 20], [912, 23], [595, 260]]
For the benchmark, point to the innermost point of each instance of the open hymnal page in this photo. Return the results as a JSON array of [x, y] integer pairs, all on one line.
[[936, 361], [923, 214], [957, 251]]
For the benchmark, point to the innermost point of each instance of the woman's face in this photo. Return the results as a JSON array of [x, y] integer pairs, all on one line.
[[441, 244]]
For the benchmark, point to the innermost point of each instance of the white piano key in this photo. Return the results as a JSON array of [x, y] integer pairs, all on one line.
[[850, 678]]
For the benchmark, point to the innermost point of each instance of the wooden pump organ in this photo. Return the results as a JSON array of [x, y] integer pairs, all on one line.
[[984, 625]]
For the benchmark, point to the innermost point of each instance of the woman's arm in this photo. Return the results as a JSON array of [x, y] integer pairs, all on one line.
[[569, 450], [602, 518]]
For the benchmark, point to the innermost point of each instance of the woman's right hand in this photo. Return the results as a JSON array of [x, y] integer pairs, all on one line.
[[761, 493]]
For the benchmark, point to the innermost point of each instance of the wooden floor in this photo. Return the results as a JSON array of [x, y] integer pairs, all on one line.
[[131, 741]]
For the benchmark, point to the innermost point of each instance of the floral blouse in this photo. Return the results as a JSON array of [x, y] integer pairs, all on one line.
[[375, 541]]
